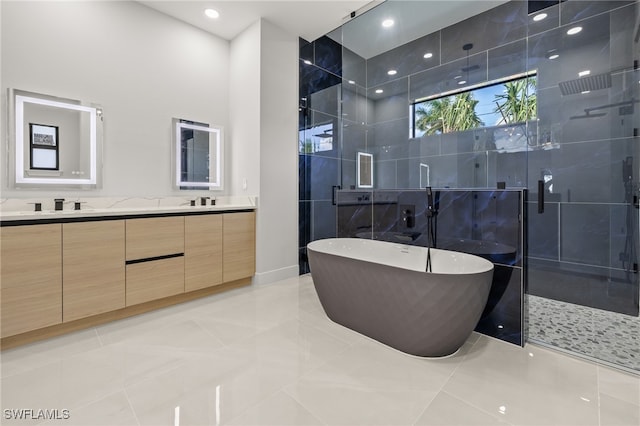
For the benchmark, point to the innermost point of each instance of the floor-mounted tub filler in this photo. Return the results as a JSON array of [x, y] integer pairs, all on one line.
[[381, 290]]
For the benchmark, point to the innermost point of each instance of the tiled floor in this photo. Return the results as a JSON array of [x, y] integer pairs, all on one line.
[[269, 355]]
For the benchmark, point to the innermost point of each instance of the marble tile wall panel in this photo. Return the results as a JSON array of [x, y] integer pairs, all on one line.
[[394, 132], [328, 55], [354, 103], [495, 27], [385, 174], [447, 77], [354, 139], [312, 79], [348, 173], [304, 222], [623, 47], [577, 10], [322, 174], [405, 60], [502, 317], [326, 100], [543, 230], [586, 227], [323, 220], [508, 59], [551, 21], [354, 67], [394, 104], [606, 289], [588, 49]]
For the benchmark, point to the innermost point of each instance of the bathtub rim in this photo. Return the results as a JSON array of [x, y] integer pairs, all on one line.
[[320, 247]]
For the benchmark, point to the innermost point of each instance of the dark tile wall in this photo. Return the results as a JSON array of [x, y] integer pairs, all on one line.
[[583, 247], [578, 143], [319, 105], [486, 223]]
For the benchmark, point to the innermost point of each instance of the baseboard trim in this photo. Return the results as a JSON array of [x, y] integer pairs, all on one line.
[[262, 278]]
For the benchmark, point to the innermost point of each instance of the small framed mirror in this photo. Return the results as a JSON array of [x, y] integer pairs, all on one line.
[[56, 141], [364, 170], [198, 155]]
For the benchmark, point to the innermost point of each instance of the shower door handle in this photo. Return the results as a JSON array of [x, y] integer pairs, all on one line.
[[540, 196]]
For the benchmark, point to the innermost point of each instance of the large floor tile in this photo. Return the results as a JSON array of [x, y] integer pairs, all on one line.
[[269, 355], [113, 410], [343, 404], [530, 386], [616, 412], [208, 390], [279, 409], [447, 410], [37, 354], [618, 384]]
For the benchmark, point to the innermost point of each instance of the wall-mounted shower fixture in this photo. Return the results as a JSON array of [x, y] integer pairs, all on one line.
[[625, 108], [408, 215]]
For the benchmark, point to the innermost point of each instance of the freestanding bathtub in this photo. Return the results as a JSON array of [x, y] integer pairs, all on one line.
[[381, 290]]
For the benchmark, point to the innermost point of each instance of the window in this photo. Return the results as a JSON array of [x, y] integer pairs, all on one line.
[[316, 139], [496, 104]]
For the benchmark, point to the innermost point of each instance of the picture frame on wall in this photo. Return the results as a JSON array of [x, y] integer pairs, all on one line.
[[44, 147]]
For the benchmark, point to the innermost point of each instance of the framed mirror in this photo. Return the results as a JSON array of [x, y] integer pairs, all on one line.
[[364, 170], [56, 141], [198, 155]]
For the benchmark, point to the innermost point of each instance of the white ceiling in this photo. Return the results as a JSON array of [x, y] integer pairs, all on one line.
[[309, 19]]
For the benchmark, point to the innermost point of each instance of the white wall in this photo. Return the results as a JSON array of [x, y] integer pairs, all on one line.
[[264, 114], [277, 238], [143, 67], [244, 111]]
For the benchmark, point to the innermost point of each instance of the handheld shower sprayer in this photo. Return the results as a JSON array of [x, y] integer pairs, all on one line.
[[431, 213]]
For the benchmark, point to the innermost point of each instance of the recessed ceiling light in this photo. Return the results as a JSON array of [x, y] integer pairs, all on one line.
[[539, 17], [585, 92], [308, 62], [212, 13], [457, 77], [554, 56], [461, 82], [392, 72], [583, 73], [379, 91], [428, 55], [574, 30], [352, 82], [388, 23]]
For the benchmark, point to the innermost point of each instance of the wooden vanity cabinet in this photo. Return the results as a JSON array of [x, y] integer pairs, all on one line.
[[93, 268], [202, 251], [30, 277], [239, 249], [154, 258]]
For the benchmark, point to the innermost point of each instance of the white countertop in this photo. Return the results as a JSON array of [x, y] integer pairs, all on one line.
[[68, 212]]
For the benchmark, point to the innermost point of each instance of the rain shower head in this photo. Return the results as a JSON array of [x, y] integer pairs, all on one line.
[[585, 84]]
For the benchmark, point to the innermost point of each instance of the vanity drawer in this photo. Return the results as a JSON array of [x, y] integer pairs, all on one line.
[[153, 237], [155, 279]]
